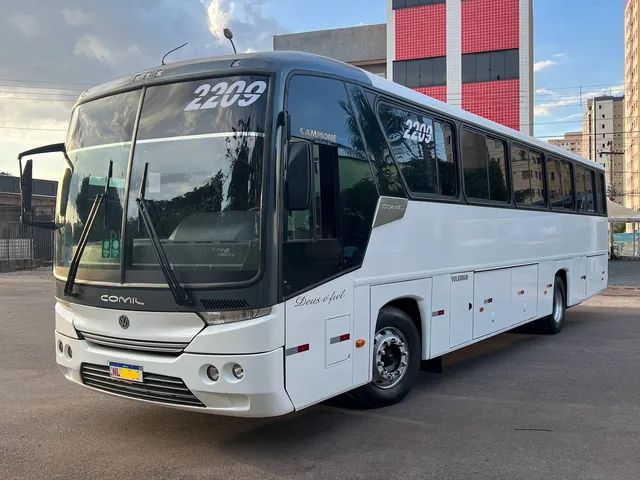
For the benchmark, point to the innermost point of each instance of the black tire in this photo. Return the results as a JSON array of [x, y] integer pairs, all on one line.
[[392, 324], [552, 324]]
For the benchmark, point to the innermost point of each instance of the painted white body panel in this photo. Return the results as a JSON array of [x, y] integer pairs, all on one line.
[[259, 394], [151, 326], [261, 334], [508, 256]]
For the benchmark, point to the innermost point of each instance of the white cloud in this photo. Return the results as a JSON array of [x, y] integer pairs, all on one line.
[[574, 99], [93, 47], [573, 116], [76, 44], [25, 23], [544, 91], [543, 65], [218, 18], [74, 17]]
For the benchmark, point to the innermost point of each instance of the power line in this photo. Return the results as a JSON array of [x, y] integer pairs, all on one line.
[[11, 127], [61, 82], [71, 100]]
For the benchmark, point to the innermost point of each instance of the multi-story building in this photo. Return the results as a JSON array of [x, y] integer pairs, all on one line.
[[603, 140], [632, 104], [477, 54], [572, 141], [363, 46]]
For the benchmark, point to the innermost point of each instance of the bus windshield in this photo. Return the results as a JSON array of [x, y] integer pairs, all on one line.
[[202, 143]]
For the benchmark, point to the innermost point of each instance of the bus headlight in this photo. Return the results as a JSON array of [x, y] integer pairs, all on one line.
[[219, 318]]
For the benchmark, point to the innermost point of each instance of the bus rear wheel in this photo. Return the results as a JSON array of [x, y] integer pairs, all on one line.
[[553, 323], [396, 360]]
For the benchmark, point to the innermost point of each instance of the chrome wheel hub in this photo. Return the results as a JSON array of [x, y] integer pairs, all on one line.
[[391, 357]]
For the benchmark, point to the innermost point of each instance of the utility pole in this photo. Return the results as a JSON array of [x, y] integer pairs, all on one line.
[[611, 153]]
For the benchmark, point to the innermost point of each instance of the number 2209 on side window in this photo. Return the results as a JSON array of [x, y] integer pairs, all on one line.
[[128, 373]]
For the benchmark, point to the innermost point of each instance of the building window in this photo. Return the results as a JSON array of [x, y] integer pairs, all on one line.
[[414, 3], [490, 66], [427, 72]]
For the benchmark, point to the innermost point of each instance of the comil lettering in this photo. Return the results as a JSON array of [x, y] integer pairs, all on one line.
[[124, 300]]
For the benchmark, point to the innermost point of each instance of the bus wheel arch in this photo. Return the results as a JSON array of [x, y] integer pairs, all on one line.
[[552, 324], [410, 306], [562, 275]]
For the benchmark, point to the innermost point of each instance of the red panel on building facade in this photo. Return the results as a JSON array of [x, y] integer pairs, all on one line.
[[497, 101], [490, 25], [421, 32], [439, 93]]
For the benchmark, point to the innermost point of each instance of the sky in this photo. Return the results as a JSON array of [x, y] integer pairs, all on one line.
[[50, 51]]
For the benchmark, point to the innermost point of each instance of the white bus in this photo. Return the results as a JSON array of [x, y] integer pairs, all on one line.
[[251, 235]]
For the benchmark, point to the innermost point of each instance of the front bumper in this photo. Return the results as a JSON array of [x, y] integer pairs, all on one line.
[[260, 393]]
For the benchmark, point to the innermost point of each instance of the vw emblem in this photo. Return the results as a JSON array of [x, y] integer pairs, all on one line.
[[123, 320]]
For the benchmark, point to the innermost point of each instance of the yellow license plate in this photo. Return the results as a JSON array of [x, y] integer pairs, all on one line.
[[128, 373]]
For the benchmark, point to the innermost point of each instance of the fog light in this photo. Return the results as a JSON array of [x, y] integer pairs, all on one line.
[[238, 371], [60, 346], [213, 373], [69, 352]]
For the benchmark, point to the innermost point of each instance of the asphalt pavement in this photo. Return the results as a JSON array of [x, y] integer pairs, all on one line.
[[517, 406]]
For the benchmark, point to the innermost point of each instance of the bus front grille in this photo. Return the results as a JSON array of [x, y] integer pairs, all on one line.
[[156, 388], [129, 344]]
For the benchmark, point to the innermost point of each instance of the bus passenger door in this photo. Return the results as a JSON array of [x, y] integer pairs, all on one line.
[[324, 238], [319, 343]]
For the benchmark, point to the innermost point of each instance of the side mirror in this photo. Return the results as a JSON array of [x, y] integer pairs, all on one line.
[[26, 189], [26, 183], [298, 181]]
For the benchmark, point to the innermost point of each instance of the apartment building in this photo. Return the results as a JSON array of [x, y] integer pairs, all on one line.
[[632, 104], [572, 141], [603, 140]]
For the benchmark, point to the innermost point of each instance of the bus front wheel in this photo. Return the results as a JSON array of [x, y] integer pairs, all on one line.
[[396, 360]]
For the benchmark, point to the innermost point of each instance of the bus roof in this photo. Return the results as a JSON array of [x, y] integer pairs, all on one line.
[[278, 61], [287, 61]]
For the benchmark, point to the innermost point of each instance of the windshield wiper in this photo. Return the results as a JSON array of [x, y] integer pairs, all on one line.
[[84, 235], [179, 293]]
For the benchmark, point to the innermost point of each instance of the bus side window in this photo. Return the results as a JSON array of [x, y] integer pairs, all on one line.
[[474, 161], [538, 189], [521, 176], [412, 144], [527, 175], [423, 149], [599, 194], [584, 190], [567, 185], [485, 167], [446, 159], [555, 184], [332, 235], [384, 168]]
